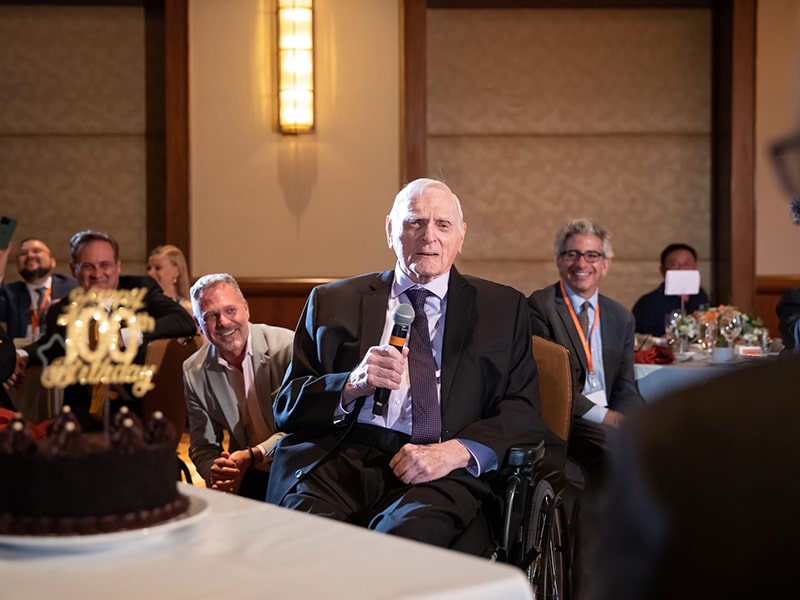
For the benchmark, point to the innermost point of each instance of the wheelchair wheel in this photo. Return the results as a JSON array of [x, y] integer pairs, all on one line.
[[544, 538]]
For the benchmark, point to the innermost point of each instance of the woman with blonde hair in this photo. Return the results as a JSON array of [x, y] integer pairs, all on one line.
[[167, 265]]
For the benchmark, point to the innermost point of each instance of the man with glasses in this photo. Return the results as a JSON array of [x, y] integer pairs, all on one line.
[[599, 334], [95, 263], [230, 384]]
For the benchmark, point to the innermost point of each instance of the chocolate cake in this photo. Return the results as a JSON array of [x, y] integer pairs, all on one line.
[[71, 483]]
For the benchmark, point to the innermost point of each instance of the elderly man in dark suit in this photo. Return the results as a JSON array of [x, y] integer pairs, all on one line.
[[461, 393], [599, 334], [24, 304], [95, 263]]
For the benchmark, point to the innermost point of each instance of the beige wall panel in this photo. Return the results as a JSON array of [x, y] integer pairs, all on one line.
[[55, 186], [777, 109], [269, 205], [72, 69], [568, 71], [517, 191]]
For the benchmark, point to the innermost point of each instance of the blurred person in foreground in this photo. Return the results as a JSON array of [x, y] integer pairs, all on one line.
[[230, 384], [462, 391], [702, 502]]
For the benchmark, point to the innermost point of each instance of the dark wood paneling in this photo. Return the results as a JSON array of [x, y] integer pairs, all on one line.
[[769, 289], [176, 21], [414, 106], [277, 301]]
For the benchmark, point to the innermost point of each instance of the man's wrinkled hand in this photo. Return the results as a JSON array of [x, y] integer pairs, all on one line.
[[416, 463], [381, 367]]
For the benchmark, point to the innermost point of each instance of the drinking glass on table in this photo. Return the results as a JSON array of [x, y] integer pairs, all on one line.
[[730, 326], [708, 336], [671, 320]]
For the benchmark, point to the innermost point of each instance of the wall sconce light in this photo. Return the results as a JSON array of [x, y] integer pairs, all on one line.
[[295, 66]]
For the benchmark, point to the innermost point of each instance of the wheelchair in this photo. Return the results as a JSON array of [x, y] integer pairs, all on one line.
[[536, 499], [528, 520]]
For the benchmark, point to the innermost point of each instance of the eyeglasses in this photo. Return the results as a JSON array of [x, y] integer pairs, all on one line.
[[591, 256]]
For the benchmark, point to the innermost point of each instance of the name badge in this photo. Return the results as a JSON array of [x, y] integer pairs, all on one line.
[[594, 390]]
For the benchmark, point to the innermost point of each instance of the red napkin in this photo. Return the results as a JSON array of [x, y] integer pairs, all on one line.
[[654, 355], [39, 431]]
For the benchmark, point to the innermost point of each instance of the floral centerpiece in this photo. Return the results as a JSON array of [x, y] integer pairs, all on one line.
[[741, 328]]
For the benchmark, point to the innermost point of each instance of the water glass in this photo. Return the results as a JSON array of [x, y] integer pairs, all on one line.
[[708, 336]]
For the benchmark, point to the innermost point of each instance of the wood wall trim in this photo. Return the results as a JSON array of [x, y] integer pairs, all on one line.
[[280, 286], [743, 208], [776, 284], [176, 25], [414, 92]]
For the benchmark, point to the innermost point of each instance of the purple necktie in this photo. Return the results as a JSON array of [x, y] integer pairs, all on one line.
[[426, 418]]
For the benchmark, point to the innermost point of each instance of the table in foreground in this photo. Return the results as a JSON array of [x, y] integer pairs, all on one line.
[[239, 548]]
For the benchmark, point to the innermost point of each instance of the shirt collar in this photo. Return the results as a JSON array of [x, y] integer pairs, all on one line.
[[577, 300], [248, 353], [33, 287], [403, 282]]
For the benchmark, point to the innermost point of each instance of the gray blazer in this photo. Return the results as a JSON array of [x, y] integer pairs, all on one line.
[[211, 403]]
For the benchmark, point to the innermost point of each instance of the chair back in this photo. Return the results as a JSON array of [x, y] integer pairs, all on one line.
[[555, 385], [167, 396]]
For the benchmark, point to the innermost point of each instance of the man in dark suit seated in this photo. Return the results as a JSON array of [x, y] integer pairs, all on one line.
[[598, 333], [461, 393], [24, 304], [8, 361], [651, 309], [95, 263]]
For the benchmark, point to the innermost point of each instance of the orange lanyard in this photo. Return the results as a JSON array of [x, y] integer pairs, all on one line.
[[587, 348], [37, 314]]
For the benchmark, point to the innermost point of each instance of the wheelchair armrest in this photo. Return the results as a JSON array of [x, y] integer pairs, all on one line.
[[522, 455]]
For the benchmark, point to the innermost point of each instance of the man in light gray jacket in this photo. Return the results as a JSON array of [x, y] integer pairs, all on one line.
[[229, 385]]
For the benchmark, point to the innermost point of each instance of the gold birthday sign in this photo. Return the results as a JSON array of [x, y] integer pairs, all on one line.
[[94, 352]]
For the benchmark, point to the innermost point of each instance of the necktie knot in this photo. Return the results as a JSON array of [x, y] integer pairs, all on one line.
[[418, 297], [40, 292]]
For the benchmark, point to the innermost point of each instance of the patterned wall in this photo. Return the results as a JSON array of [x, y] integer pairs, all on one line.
[[72, 124], [537, 116]]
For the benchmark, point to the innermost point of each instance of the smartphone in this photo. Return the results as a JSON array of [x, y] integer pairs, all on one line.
[[7, 227]]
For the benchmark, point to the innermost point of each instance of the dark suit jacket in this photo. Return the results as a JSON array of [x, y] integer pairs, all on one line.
[[489, 390], [8, 360], [651, 309], [788, 310], [550, 318], [15, 302], [172, 321]]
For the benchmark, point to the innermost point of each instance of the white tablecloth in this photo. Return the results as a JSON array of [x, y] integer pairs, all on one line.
[[242, 549], [657, 381]]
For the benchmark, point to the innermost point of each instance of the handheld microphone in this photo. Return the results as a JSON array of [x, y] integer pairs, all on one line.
[[402, 317]]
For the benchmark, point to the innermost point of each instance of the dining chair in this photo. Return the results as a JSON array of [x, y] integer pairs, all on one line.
[[167, 396]]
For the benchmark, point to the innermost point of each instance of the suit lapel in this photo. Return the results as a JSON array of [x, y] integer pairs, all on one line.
[[263, 375], [459, 322], [373, 310], [566, 319]]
